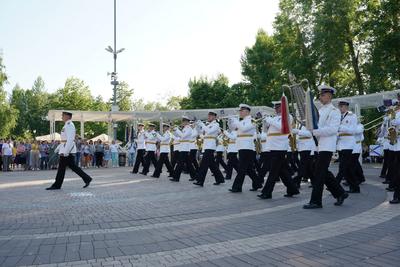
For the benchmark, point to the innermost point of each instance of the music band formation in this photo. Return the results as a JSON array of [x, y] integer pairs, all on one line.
[[266, 149]]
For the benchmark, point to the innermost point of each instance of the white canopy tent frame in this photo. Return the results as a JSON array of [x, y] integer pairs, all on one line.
[[139, 116]]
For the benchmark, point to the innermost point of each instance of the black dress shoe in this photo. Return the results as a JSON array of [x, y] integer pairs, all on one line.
[[143, 173], [386, 182], [235, 190], [155, 176], [311, 206], [53, 188], [353, 191], [291, 194], [395, 201], [192, 179], [217, 183], [134, 172], [174, 180], [382, 176], [88, 183], [390, 189], [256, 188], [199, 184], [264, 196], [227, 178], [341, 199]]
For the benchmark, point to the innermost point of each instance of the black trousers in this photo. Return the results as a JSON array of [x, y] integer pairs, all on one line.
[[392, 167], [279, 169], [247, 160], [193, 159], [347, 169], [208, 162], [293, 162], [161, 161], [385, 163], [322, 176], [358, 170], [305, 167], [174, 158], [99, 158], [395, 182], [233, 163], [65, 162], [265, 162], [150, 157], [139, 160], [219, 159], [184, 159]]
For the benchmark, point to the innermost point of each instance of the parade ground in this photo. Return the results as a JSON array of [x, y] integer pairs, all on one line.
[[134, 220]]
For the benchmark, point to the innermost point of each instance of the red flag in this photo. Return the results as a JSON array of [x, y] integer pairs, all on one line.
[[285, 129]]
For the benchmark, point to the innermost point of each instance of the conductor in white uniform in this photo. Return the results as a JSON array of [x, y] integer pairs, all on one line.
[[67, 149]]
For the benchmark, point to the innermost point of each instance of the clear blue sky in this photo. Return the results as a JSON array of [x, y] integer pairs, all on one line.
[[167, 41]]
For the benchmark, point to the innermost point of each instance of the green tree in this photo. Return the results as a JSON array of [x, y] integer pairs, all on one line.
[[8, 113], [260, 69]]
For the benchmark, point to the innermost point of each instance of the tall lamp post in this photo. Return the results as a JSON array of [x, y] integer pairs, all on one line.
[[114, 77]]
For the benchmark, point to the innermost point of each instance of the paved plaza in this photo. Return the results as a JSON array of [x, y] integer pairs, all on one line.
[[135, 220]]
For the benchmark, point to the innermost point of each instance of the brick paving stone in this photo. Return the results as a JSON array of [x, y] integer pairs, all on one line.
[[155, 222]]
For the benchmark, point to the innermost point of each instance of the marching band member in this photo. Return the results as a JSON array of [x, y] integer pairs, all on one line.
[[219, 158], [140, 148], [185, 138], [175, 153], [193, 147], [328, 127], [164, 152], [277, 144], [359, 137], [151, 146], [305, 146], [211, 132], [265, 159], [345, 144], [395, 178], [232, 151], [384, 141], [67, 149], [247, 154]]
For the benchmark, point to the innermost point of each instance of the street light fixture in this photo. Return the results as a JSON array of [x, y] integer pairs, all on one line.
[[114, 77]]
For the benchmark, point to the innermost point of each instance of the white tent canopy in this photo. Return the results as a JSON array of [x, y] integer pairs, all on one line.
[[49, 137], [104, 138]]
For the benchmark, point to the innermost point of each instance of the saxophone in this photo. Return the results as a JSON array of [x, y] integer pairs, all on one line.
[[392, 134]]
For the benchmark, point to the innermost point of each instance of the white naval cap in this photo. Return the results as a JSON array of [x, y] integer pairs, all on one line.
[[212, 112], [185, 118], [165, 125], [244, 106], [151, 125], [140, 124], [343, 103], [326, 88], [395, 102], [276, 103]]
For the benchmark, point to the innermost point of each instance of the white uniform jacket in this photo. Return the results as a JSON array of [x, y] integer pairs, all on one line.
[[140, 140], [347, 129], [305, 141], [164, 141], [263, 140], [211, 132], [359, 137], [232, 148], [328, 126], [220, 146], [68, 139], [185, 138], [246, 131], [396, 124], [193, 139], [151, 140], [275, 139]]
